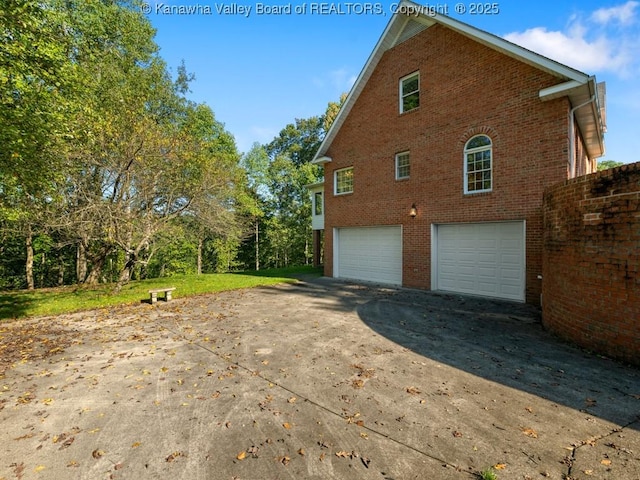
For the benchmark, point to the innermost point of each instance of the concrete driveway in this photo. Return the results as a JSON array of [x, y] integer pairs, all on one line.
[[317, 380]]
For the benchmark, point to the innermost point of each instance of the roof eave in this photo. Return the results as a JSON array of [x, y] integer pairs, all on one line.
[[585, 96], [391, 34]]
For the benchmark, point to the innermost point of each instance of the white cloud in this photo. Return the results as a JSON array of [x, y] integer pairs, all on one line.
[[624, 14], [572, 49], [589, 46], [340, 79], [246, 137]]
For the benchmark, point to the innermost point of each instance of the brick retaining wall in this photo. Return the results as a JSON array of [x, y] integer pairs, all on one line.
[[591, 261]]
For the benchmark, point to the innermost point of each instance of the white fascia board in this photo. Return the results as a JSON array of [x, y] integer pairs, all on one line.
[[314, 186], [321, 160], [560, 90]]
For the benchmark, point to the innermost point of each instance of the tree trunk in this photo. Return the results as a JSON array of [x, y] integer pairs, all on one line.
[[257, 245], [96, 261], [96, 272], [125, 273], [29, 262], [81, 263], [43, 265], [199, 263], [61, 273]]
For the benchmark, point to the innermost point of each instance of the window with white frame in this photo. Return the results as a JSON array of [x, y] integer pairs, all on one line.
[[478, 165], [317, 203], [410, 92], [343, 181], [403, 166]]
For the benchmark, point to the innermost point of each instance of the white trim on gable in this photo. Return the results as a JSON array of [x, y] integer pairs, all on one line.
[[401, 23]]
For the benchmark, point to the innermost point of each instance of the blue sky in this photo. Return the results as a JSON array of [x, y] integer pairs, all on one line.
[[259, 71]]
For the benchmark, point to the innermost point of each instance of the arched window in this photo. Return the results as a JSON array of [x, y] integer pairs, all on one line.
[[478, 165]]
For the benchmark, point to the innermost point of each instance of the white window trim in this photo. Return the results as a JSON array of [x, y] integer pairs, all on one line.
[[464, 159], [335, 182], [401, 96], [398, 177]]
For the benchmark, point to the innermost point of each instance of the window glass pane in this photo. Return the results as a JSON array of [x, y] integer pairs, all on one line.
[[478, 163], [410, 92], [344, 181], [410, 85], [318, 203], [402, 165], [479, 141], [410, 102]]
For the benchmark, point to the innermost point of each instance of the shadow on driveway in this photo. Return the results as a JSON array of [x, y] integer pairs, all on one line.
[[500, 341]]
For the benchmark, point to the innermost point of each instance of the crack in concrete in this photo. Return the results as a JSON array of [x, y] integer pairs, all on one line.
[[315, 403]]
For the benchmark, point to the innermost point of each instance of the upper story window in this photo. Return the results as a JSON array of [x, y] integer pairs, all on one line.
[[403, 166], [317, 203], [478, 165], [343, 181], [410, 92]]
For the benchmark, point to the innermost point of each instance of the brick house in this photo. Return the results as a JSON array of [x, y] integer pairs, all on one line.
[[435, 167]]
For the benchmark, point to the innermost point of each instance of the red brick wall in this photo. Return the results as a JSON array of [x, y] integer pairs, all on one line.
[[465, 89], [591, 263]]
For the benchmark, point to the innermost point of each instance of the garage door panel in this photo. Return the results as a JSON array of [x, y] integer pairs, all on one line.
[[483, 259], [370, 254]]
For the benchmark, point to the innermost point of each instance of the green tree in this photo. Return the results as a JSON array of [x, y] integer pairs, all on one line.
[[36, 91], [606, 164], [102, 151]]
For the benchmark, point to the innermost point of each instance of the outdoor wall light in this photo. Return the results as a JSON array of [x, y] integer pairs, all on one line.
[[414, 211]]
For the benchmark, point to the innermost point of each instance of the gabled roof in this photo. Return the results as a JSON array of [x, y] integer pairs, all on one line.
[[411, 18]]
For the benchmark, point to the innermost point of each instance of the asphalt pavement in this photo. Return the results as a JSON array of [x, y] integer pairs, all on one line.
[[316, 380]]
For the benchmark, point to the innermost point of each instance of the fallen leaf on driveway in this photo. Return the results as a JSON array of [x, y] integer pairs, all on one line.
[[530, 432], [457, 434], [605, 461], [242, 455], [173, 456], [97, 453], [67, 443], [413, 390], [500, 466], [18, 470], [287, 425]]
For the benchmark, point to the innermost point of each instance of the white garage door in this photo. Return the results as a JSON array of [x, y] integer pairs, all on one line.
[[372, 254], [485, 259]]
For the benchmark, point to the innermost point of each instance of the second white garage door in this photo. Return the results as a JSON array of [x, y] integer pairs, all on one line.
[[372, 254], [485, 259]]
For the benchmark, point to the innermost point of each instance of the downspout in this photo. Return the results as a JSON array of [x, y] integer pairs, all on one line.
[[572, 135]]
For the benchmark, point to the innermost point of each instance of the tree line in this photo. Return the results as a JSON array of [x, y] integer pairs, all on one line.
[[108, 172]]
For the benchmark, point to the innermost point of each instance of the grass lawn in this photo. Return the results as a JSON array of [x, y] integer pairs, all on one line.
[[55, 301]]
